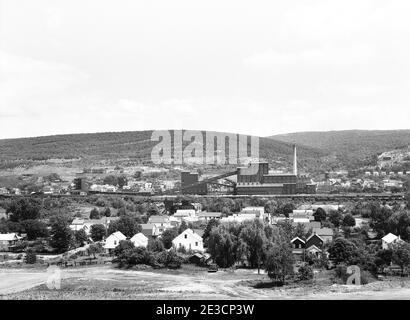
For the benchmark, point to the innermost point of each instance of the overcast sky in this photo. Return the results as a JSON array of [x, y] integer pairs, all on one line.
[[253, 67]]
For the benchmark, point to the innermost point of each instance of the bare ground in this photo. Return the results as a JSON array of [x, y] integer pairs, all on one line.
[[106, 282]]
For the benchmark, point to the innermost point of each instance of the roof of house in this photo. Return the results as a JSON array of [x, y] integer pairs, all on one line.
[[147, 229], [199, 232], [313, 247], [77, 221], [314, 234], [8, 236], [297, 238], [188, 231], [101, 220], [158, 219], [323, 231], [308, 224], [184, 213], [118, 234], [209, 214], [389, 238], [139, 236]]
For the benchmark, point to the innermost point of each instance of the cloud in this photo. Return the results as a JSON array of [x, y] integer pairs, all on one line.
[[32, 86]]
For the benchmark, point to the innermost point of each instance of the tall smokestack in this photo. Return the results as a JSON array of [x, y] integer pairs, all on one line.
[[295, 161]]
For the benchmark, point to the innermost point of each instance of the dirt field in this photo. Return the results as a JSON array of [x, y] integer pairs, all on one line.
[[106, 282]]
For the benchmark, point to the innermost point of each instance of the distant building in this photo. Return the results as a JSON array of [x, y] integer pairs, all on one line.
[[390, 239], [161, 223], [149, 230], [8, 240], [326, 234], [206, 216], [182, 213], [188, 181]]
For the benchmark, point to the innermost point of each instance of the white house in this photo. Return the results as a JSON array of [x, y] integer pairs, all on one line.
[[161, 223], [206, 216], [77, 224], [184, 213], [389, 239], [113, 240], [7, 240], [189, 240], [140, 240]]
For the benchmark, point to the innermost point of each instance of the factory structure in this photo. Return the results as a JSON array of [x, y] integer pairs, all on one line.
[[254, 179]]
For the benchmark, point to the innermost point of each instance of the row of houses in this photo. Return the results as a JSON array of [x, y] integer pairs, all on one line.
[[188, 239]]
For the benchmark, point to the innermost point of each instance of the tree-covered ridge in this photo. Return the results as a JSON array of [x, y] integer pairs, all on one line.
[[350, 145]]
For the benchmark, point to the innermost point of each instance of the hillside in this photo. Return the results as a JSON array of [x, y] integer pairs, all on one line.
[[350, 146], [135, 145]]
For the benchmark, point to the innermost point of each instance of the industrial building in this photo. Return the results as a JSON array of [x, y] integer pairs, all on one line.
[[256, 180], [189, 183], [253, 180]]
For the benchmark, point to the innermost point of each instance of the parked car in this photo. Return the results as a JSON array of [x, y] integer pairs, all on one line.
[[213, 268]]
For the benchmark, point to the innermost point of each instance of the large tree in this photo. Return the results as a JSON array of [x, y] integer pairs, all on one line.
[[167, 237], [95, 214], [98, 232], [279, 260], [348, 221], [401, 255], [335, 217], [80, 237], [223, 245], [320, 214], [213, 223], [61, 235], [35, 229], [126, 224], [254, 237], [343, 251], [24, 209]]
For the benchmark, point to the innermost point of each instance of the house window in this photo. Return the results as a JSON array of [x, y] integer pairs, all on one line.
[[186, 236], [196, 244], [115, 242]]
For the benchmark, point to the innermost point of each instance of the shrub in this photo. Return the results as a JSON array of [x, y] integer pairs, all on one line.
[[170, 259], [31, 257], [305, 273], [155, 246]]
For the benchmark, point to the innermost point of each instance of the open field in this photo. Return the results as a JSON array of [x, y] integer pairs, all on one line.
[[106, 282]]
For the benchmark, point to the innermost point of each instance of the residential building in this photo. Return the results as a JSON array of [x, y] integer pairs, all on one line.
[[149, 230], [189, 240], [298, 250], [113, 240], [77, 224], [7, 240], [206, 216], [325, 233], [182, 213], [161, 223], [140, 240], [389, 239], [314, 240]]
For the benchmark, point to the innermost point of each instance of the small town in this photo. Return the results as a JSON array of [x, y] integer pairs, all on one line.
[[204, 158]]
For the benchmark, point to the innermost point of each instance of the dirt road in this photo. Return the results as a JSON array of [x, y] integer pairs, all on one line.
[[106, 282], [19, 280]]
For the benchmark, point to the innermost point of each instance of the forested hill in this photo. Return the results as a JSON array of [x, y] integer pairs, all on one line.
[[134, 145], [350, 145]]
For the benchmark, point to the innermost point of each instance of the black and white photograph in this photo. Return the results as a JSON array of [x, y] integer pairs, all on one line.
[[219, 150]]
